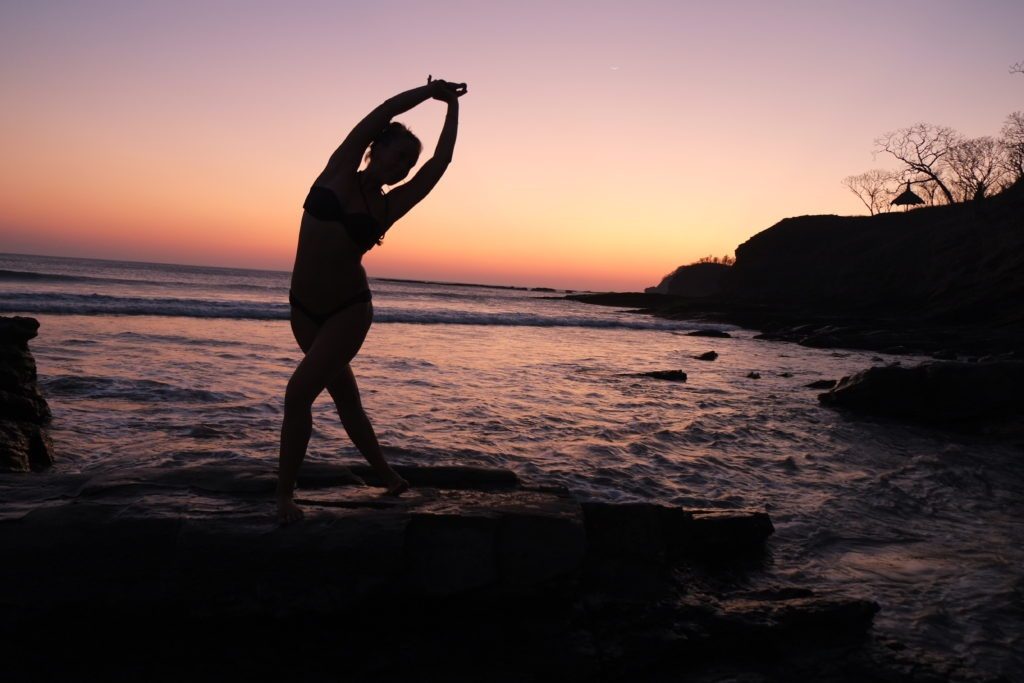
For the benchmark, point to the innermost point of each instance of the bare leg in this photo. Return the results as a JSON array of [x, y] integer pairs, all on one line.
[[345, 392], [328, 351]]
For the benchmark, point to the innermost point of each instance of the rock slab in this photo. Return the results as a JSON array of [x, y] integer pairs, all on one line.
[[205, 540], [518, 578]]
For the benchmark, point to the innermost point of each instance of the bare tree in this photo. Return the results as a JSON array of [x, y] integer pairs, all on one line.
[[873, 188], [977, 167], [928, 190], [1017, 68], [1013, 145], [924, 149]]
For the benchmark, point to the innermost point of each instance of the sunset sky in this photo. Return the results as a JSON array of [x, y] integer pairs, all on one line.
[[602, 144]]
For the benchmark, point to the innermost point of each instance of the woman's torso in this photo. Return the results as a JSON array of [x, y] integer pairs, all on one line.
[[328, 267], [328, 261]]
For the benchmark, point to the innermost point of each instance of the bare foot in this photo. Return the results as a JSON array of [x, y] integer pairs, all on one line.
[[397, 488], [288, 512]]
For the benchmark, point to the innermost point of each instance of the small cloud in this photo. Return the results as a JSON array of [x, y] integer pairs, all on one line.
[[614, 68]]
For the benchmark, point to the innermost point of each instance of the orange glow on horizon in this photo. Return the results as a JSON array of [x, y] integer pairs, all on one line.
[[568, 172]]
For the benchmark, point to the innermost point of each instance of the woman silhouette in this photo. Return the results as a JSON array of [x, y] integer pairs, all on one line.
[[346, 214]]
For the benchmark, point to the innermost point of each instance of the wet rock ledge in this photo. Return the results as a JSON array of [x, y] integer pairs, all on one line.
[[523, 579], [178, 535]]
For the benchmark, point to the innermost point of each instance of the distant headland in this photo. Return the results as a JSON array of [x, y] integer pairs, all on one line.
[[942, 279]]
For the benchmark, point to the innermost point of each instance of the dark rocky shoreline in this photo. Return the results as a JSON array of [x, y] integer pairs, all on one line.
[[183, 573], [946, 281], [818, 329], [476, 576]]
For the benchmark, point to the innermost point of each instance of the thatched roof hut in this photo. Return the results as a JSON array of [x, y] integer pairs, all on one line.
[[907, 199]]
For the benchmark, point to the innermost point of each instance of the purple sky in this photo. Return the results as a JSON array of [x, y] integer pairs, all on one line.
[[602, 143]]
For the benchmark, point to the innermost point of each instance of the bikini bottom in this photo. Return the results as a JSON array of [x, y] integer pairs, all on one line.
[[363, 296]]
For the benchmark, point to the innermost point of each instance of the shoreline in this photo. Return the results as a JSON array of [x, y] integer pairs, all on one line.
[[941, 281], [544, 585], [890, 333], [213, 562]]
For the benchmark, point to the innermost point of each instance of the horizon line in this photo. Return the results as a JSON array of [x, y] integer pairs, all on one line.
[[270, 270]]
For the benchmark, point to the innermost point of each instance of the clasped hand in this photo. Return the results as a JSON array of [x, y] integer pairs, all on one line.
[[445, 90]]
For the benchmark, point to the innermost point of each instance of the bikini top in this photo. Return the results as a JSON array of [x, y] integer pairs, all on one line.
[[322, 203]]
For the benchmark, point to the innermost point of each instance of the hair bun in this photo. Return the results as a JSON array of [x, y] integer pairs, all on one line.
[[393, 132]]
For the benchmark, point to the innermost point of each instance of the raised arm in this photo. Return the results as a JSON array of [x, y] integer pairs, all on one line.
[[349, 154], [408, 195]]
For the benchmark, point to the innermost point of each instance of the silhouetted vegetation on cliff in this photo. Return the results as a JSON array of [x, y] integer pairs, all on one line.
[[942, 165]]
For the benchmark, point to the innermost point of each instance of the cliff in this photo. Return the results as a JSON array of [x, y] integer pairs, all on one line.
[[960, 264], [697, 279], [946, 280]]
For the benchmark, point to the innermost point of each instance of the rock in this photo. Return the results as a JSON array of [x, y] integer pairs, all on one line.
[[797, 618], [753, 375], [717, 533], [709, 355], [197, 522], [670, 375], [694, 280], [525, 579], [717, 334], [655, 531], [634, 548], [785, 374], [625, 530], [855, 266], [466, 540], [955, 394], [141, 536], [832, 281], [821, 384], [24, 447], [24, 442], [447, 477], [24, 406], [224, 553], [17, 331]]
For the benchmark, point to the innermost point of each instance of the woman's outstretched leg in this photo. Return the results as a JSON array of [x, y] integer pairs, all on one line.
[[332, 347], [345, 392], [295, 432]]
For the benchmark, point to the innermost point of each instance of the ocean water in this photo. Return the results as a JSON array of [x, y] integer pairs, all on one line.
[[182, 366]]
